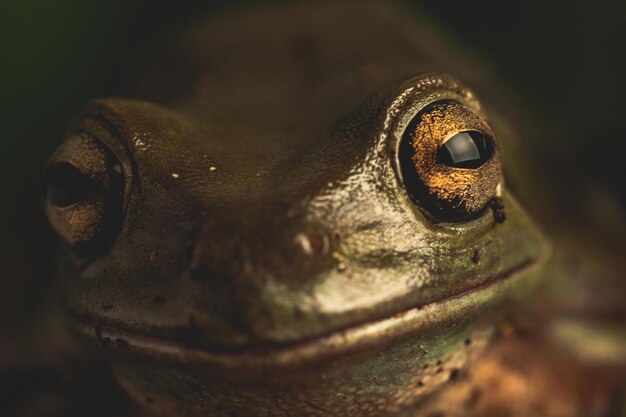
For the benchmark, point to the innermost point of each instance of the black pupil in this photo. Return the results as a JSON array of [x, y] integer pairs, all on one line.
[[465, 150], [66, 185]]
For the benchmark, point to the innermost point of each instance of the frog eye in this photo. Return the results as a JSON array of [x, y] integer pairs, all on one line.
[[450, 161], [83, 193]]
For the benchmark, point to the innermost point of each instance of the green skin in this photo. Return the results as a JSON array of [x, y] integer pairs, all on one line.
[[270, 260]]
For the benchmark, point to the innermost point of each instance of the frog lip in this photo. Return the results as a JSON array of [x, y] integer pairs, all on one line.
[[364, 336]]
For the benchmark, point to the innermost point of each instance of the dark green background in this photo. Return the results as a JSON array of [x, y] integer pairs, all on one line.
[[565, 61]]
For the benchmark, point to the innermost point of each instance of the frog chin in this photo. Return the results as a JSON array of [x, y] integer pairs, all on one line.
[[460, 310]]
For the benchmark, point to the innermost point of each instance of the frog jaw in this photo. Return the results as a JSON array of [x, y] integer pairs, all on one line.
[[401, 358], [514, 285]]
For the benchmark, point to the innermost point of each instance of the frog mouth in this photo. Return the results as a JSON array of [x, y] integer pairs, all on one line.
[[460, 308]]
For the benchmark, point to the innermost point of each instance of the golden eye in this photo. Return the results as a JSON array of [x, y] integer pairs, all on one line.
[[450, 161], [84, 193]]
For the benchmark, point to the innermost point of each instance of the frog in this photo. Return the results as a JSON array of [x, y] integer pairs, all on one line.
[[291, 214]]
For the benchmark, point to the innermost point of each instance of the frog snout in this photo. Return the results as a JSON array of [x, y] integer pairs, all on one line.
[[285, 250], [250, 276]]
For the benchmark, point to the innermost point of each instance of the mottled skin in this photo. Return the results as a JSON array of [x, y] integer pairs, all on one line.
[[268, 259]]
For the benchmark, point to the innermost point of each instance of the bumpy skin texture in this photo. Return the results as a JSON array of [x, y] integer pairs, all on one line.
[[270, 260]]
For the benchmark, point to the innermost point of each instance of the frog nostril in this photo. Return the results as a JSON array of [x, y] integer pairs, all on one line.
[[66, 185], [313, 244]]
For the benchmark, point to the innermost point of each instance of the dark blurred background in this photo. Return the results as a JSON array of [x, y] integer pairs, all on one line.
[[563, 61]]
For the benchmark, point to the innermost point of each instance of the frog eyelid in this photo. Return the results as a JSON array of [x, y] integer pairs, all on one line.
[[104, 129]]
